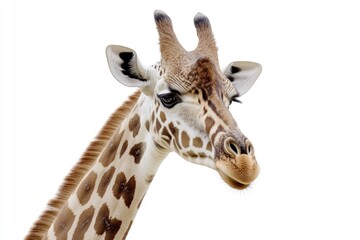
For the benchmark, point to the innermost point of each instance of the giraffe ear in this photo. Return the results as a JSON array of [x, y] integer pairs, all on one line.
[[243, 75], [125, 66]]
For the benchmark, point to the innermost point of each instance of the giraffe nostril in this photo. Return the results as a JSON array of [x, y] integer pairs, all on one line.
[[233, 147], [249, 148]]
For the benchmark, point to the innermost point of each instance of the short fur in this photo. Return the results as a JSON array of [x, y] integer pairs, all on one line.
[[42, 225]]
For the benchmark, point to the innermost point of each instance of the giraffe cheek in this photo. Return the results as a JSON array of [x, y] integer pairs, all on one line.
[[105, 180]]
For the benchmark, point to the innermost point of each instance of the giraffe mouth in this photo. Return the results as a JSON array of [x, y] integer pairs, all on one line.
[[239, 172], [232, 182]]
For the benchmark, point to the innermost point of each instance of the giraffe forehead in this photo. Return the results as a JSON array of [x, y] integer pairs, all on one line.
[[202, 75]]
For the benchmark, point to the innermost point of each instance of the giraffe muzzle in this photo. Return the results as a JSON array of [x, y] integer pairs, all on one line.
[[236, 163]]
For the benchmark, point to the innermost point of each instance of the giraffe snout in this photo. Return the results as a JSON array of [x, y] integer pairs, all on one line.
[[236, 163]]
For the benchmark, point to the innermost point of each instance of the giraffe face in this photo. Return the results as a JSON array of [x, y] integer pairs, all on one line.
[[189, 99], [191, 117]]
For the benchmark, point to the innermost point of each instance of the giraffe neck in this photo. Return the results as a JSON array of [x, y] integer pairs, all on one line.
[[108, 197]]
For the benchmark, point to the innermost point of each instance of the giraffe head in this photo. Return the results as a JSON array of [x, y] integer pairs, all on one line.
[[188, 98]]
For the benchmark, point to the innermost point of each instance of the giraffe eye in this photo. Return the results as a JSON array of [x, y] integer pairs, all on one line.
[[169, 100]]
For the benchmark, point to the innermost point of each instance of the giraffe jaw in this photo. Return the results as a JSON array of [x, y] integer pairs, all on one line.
[[232, 182], [239, 172]]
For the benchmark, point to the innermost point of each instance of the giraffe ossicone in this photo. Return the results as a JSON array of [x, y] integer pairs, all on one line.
[[182, 106]]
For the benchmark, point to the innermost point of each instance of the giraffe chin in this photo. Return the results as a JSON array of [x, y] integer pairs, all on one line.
[[232, 182], [238, 173]]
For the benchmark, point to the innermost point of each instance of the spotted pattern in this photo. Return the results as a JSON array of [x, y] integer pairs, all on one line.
[[134, 125], [175, 132], [158, 125], [108, 156], [163, 117], [197, 142], [137, 151], [86, 188], [125, 189], [185, 139], [152, 117], [105, 224], [209, 123], [123, 148], [218, 130], [105, 180], [63, 223], [209, 146], [192, 154], [83, 223]]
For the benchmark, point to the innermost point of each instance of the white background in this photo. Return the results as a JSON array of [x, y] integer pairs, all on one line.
[[302, 114]]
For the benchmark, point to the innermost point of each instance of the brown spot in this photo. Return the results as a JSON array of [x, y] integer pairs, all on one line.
[[152, 117], [63, 223], [124, 189], [105, 180], [123, 148], [192, 154], [137, 151], [157, 107], [162, 116], [108, 155], [214, 108], [175, 132], [205, 110], [209, 122], [84, 223], [104, 224], [127, 230], [219, 129], [134, 125], [197, 142], [202, 155], [86, 188], [185, 139], [149, 178], [147, 125], [209, 146], [158, 125]]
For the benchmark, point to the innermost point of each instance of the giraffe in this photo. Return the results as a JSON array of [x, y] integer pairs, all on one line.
[[181, 105]]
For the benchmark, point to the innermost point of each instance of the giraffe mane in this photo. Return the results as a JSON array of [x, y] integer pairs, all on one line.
[[89, 157]]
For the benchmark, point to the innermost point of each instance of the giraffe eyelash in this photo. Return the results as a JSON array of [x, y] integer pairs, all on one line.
[[235, 99]]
